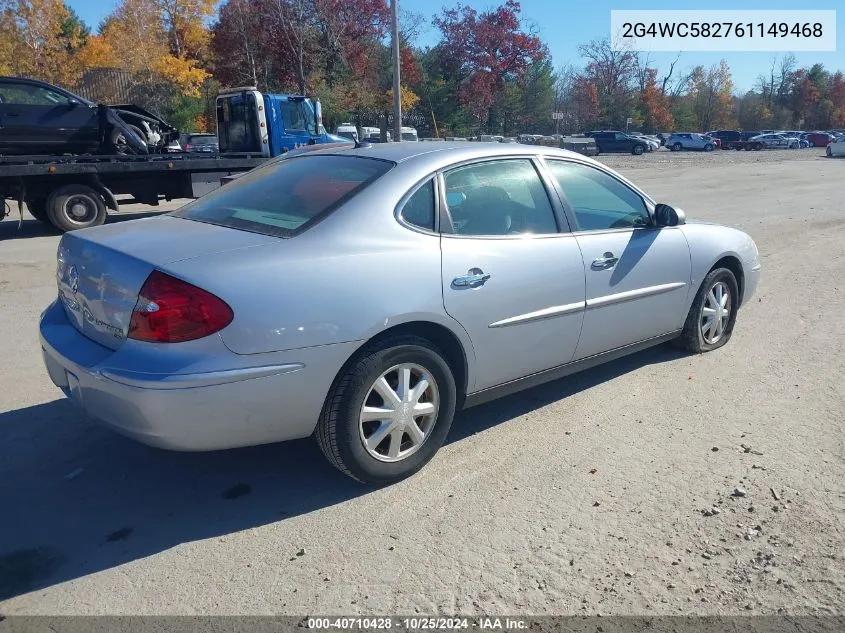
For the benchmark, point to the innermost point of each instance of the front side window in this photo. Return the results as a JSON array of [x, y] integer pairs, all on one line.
[[598, 200], [502, 197], [286, 196], [26, 94], [419, 208]]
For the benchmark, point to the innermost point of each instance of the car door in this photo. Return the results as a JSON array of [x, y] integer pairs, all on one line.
[[637, 275], [36, 119], [513, 275], [621, 143]]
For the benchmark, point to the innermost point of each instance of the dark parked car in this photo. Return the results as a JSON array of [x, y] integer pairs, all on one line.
[[608, 141], [729, 139], [39, 118], [206, 143]]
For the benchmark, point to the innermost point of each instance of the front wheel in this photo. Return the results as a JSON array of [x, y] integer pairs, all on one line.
[[637, 150], [712, 316], [75, 207], [829, 152], [708, 147], [388, 412]]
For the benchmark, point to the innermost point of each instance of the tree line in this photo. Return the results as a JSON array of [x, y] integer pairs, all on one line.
[[488, 72]]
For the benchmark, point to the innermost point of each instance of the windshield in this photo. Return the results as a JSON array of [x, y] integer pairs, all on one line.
[[286, 196], [409, 136]]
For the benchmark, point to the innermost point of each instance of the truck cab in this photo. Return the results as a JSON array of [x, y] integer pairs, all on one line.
[[249, 122]]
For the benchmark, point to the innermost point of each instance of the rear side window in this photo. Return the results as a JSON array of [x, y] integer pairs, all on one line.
[[287, 196], [419, 209]]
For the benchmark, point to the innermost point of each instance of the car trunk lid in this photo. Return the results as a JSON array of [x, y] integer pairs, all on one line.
[[100, 271]]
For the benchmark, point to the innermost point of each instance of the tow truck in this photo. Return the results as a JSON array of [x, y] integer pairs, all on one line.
[[78, 191]]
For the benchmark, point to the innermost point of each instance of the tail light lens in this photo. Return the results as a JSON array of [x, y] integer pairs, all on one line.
[[187, 147], [170, 310]]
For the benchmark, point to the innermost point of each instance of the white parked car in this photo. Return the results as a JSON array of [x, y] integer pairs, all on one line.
[[652, 143], [773, 141], [837, 147]]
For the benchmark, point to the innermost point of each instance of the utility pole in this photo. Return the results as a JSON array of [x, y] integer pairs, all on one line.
[[397, 84]]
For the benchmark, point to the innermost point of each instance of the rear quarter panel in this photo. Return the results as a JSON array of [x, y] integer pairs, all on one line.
[[348, 278]]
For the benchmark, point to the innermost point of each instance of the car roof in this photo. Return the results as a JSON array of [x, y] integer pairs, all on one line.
[[449, 152]]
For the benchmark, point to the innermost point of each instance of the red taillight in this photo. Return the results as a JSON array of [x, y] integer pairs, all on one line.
[[187, 147], [170, 310]]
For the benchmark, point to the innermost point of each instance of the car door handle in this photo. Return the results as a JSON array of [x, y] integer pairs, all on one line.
[[474, 277], [608, 260]]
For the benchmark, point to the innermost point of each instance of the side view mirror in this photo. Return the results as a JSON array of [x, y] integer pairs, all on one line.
[[664, 215], [73, 103]]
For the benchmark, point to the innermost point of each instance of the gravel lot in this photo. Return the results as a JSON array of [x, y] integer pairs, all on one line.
[[593, 494]]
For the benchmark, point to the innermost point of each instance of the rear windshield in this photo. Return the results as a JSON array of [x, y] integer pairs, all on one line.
[[202, 140], [287, 196]]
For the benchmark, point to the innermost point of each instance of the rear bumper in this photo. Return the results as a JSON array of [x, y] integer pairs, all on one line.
[[275, 398]]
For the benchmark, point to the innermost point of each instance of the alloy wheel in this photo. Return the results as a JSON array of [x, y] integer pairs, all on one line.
[[399, 412], [715, 313]]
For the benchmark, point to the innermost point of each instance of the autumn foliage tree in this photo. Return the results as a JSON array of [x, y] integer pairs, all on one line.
[[488, 48], [39, 38], [654, 105]]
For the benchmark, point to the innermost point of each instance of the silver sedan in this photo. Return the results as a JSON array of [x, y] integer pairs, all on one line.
[[364, 295]]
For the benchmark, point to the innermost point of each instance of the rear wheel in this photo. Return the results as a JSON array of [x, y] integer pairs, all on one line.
[[677, 147], [75, 207], [389, 411], [829, 152], [708, 147], [712, 316]]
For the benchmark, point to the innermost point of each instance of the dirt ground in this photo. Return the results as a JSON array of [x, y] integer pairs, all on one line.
[[658, 484]]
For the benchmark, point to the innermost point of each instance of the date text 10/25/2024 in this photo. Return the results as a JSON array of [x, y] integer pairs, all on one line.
[[418, 623]]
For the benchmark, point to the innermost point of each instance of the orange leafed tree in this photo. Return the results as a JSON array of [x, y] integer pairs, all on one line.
[[158, 38], [33, 44], [655, 105]]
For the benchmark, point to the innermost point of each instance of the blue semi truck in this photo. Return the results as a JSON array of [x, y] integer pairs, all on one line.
[[78, 191]]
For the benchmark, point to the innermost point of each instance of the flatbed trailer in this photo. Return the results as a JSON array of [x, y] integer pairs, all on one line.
[[73, 192]]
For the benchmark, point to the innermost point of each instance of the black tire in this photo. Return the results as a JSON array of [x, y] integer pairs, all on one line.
[[691, 338], [119, 142], [37, 208], [829, 152], [637, 150], [708, 147], [63, 202], [677, 147], [337, 431], [757, 147]]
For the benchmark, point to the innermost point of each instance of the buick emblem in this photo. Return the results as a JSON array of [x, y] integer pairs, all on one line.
[[73, 279]]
